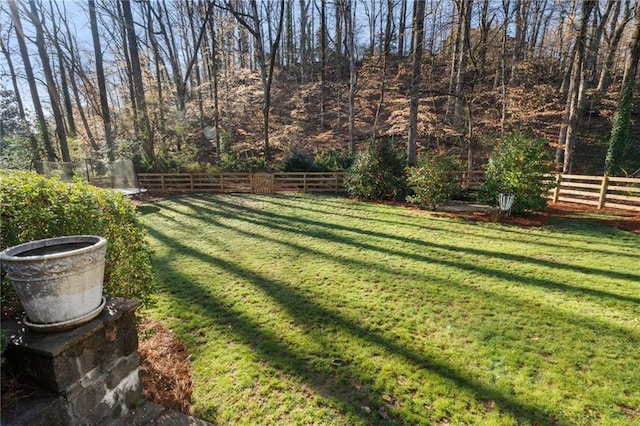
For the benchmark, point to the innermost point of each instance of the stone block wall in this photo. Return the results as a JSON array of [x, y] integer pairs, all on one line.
[[83, 376]]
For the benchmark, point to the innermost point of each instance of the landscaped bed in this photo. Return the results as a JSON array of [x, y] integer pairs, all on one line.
[[300, 309]]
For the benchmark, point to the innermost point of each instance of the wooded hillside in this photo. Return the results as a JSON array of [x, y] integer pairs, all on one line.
[[195, 84]]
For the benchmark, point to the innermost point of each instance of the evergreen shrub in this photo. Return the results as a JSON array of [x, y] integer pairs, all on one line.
[[378, 172], [435, 179], [34, 207], [518, 166]]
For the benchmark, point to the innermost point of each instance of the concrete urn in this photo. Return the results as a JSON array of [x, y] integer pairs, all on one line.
[[58, 280]]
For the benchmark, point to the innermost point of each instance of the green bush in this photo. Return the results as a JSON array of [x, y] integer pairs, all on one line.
[[435, 179], [34, 207], [297, 159], [518, 166], [331, 160], [378, 172]]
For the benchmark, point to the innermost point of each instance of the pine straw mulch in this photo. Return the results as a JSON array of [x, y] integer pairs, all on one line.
[[165, 368], [621, 219]]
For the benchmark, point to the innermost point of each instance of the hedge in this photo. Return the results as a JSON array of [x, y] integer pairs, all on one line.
[[34, 207]]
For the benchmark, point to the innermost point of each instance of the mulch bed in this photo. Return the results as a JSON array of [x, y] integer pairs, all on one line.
[[165, 368], [621, 219]]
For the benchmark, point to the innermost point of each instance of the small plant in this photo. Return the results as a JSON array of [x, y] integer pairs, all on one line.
[[519, 166], [378, 172], [34, 207], [434, 180]]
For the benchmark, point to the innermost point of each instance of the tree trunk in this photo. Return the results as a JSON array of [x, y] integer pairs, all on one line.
[[349, 19], [417, 43], [454, 61], [14, 81], [254, 26], [621, 122], [54, 97], [402, 27], [143, 125], [102, 85], [575, 97], [16, 90], [64, 86], [74, 68], [386, 51], [323, 61], [35, 97], [617, 29], [465, 20]]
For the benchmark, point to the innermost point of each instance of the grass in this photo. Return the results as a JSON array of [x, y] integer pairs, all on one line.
[[301, 309]]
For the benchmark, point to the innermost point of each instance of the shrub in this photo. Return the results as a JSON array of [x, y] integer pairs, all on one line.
[[434, 180], [297, 159], [34, 207], [378, 172], [518, 166], [331, 160]]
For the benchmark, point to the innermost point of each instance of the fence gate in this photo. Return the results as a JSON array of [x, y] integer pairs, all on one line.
[[262, 183]]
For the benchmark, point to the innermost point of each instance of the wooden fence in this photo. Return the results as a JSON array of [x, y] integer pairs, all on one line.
[[261, 183], [599, 191]]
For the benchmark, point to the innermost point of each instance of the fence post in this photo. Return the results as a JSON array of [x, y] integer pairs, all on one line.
[[221, 182], [336, 176], [556, 192], [304, 182], [162, 181], [603, 192], [191, 180]]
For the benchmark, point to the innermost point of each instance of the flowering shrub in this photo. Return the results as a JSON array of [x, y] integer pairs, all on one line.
[[435, 179]]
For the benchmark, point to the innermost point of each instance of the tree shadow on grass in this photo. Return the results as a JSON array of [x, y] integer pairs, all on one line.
[[329, 231], [271, 348], [597, 326], [597, 231]]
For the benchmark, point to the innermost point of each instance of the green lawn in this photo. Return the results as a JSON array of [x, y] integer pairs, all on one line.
[[302, 309]]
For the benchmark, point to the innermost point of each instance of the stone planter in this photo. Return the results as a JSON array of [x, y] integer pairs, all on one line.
[[58, 280]]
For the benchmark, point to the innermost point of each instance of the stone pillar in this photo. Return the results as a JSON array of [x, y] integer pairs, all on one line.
[[83, 376]]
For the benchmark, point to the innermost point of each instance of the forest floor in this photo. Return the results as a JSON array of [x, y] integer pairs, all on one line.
[[165, 365]]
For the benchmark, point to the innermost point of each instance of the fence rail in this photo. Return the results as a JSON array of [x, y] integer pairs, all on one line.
[[262, 183], [599, 191]]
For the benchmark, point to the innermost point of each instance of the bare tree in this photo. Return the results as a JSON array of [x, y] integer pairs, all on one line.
[[575, 97], [143, 123], [402, 27], [253, 24], [386, 51], [54, 97], [417, 43], [14, 77], [613, 37], [33, 88], [62, 71], [102, 86]]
